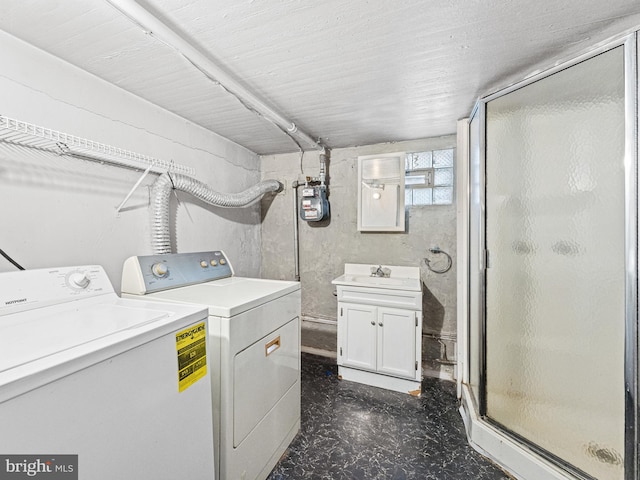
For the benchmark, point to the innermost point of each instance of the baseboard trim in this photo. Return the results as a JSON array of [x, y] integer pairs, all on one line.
[[438, 374], [325, 321], [319, 352]]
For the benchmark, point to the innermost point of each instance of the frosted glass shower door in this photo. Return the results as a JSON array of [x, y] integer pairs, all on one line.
[[555, 283]]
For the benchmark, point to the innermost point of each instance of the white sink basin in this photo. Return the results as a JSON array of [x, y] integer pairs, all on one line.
[[406, 278], [382, 281]]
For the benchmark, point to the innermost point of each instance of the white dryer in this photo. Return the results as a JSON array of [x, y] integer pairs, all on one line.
[[122, 384], [254, 326]]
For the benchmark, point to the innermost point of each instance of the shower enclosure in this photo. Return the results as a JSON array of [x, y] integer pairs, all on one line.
[[549, 381]]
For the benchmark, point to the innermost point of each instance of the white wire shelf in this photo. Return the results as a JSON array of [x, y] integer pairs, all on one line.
[[26, 134]]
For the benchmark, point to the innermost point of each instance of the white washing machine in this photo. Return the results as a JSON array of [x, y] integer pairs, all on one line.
[[254, 326], [122, 384]]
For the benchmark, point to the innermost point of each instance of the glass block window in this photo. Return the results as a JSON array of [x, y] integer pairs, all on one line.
[[429, 177]]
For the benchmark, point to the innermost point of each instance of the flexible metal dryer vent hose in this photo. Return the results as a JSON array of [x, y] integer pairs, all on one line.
[[161, 195]]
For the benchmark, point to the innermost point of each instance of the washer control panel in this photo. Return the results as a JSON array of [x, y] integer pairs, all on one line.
[[152, 273], [28, 289]]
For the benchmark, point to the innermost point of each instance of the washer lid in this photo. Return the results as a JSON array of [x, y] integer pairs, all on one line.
[[230, 296], [36, 334]]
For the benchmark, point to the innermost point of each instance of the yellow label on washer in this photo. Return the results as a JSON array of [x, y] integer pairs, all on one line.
[[191, 345]]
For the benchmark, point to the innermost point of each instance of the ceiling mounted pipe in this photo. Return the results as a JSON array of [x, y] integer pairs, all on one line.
[[155, 27]]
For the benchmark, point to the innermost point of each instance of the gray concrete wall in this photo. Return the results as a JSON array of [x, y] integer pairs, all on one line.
[[326, 246]]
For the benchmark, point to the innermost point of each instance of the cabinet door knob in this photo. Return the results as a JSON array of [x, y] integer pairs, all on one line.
[[380, 324], [372, 322]]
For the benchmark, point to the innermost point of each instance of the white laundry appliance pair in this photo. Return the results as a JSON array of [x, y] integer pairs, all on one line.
[[254, 339], [97, 387]]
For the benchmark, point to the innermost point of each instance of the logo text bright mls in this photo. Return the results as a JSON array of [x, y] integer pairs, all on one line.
[[51, 467]]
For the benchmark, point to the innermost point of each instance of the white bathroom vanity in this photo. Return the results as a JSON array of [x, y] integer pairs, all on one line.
[[380, 325]]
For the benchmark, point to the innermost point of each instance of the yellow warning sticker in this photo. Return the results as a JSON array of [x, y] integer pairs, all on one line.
[[191, 345]]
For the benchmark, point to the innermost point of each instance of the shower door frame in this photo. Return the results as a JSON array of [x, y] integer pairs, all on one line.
[[631, 366]]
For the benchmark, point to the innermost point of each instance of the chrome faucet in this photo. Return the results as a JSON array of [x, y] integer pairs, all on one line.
[[380, 272]]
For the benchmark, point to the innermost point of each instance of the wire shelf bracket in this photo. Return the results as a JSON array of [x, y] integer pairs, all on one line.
[[27, 134]]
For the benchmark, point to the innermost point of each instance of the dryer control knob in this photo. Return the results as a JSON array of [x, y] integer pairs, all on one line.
[[79, 280], [204, 264], [223, 261], [159, 270]]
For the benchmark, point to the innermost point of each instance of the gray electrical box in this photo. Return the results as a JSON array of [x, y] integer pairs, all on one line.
[[314, 205]]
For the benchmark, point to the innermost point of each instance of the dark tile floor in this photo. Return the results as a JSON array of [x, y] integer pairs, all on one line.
[[351, 431]]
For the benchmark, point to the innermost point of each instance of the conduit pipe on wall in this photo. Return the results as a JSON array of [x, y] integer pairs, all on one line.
[[161, 196], [155, 27], [296, 241], [296, 226], [323, 166]]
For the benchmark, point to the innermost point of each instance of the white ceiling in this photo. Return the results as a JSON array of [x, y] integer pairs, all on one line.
[[352, 72]]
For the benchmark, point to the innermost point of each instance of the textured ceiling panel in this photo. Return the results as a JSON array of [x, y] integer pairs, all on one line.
[[352, 73]]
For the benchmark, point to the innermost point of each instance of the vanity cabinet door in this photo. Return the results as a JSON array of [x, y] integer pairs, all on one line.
[[396, 352], [357, 329]]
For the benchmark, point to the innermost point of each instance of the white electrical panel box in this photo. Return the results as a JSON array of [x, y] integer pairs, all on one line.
[[381, 192]]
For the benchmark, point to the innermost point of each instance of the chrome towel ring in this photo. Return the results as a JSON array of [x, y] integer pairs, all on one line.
[[449, 261]]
